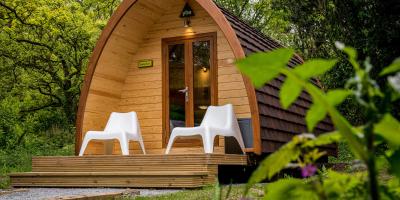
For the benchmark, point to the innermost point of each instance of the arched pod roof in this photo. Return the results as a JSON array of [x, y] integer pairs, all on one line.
[[221, 21], [243, 40]]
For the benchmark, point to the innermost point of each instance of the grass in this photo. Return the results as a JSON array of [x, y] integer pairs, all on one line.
[[234, 192]]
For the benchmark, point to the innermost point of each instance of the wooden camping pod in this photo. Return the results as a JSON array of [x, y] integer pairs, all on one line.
[[147, 31], [136, 31]]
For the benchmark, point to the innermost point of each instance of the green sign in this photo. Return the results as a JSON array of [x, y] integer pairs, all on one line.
[[145, 63]]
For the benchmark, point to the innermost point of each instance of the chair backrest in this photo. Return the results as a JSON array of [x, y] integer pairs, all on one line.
[[219, 116], [123, 122]]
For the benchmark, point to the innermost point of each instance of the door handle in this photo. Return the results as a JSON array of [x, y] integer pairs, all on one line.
[[186, 91]]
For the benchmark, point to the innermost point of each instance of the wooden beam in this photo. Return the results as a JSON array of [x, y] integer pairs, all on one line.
[[101, 43]]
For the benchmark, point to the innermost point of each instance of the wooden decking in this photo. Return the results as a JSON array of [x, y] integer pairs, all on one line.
[[156, 171]]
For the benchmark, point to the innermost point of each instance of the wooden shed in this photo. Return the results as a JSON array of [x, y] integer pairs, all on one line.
[[145, 55]]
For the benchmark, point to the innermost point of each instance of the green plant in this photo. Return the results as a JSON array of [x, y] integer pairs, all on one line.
[[380, 127], [19, 159]]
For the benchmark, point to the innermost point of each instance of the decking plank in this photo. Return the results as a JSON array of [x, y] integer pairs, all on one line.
[[157, 170]]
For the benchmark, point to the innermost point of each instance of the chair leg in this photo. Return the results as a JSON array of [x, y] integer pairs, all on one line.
[[85, 142], [208, 142], [142, 145], [124, 144], [170, 142], [241, 143]]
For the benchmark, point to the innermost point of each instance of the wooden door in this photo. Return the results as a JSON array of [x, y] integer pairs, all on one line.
[[189, 82]]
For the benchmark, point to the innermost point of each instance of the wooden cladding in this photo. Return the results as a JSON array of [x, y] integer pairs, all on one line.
[[115, 83]]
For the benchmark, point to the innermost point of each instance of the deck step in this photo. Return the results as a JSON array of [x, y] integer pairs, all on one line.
[[142, 171], [191, 162], [142, 179]]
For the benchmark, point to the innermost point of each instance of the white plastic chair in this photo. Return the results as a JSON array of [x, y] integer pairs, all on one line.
[[121, 126], [218, 120]]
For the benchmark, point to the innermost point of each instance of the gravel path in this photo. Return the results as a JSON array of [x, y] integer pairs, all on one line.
[[46, 193]]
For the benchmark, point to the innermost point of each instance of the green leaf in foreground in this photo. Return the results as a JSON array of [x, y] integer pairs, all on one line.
[[336, 97], [339, 121], [392, 68], [290, 90], [389, 128], [315, 114], [263, 67], [351, 52], [313, 68], [290, 189], [274, 163], [324, 139]]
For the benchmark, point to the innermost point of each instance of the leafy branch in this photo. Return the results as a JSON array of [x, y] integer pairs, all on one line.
[[264, 67], [14, 12]]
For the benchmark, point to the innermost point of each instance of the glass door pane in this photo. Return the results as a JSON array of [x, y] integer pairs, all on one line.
[[201, 79], [176, 75]]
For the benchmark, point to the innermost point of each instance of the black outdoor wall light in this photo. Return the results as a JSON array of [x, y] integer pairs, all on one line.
[[186, 13]]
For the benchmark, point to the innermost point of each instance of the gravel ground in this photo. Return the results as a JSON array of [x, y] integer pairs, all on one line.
[[46, 193]]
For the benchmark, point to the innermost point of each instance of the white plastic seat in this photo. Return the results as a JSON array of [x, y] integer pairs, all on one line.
[[121, 126], [218, 120]]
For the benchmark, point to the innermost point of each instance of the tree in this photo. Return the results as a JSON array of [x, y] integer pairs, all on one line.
[[99, 10], [372, 26], [262, 16], [312, 27], [45, 47]]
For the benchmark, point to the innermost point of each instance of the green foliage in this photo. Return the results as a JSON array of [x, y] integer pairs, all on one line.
[[291, 151], [20, 159], [320, 100], [362, 140], [324, 139], [45, 49], [289, 87], [280, 158], [395, 163], [99, 10], [394, 67], [311, 28], [317, 112], [389, 128], [314, 68], [371, 26], [206, 193], [344, 154], [342, 186], [393, 188], [290, 189], [333, 185], [264, 16], [46, 45]]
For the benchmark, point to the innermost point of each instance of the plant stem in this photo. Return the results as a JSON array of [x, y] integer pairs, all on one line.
[[372, 174], [373, 182]]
